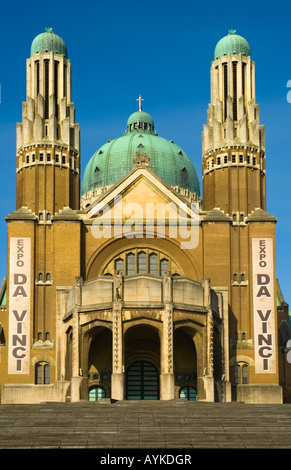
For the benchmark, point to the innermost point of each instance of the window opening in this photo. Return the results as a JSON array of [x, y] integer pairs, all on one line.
[[234, 69], [225, 90], [141, 262], [119, 265], [245, 374], [153, 264], [46, 92], [37, 78], [130, 264], [56, 66], [164, 266]]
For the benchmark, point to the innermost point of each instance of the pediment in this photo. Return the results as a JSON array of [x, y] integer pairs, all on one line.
[[141, 194]]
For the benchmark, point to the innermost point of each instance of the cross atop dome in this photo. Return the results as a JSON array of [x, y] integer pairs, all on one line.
[[140, 99]]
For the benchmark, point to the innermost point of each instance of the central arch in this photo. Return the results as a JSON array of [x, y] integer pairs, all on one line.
[[142, 362]]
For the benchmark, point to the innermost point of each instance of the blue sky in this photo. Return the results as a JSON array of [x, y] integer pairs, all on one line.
[[163, 50]]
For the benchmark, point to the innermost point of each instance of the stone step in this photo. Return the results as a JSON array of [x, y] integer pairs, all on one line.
[[176, 424]]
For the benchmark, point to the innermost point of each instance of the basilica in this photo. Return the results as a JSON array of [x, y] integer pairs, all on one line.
[[134, 283]]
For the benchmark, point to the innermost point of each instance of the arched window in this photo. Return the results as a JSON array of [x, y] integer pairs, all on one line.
[[153, 264], [141, 262], [95, 393], [164, 265], [119, 265], [130, 264], [42, 373], [244, 374], [241, 373]]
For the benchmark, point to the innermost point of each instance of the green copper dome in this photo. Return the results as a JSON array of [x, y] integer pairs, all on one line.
[[48, 41], [232, 44], [115, 158]]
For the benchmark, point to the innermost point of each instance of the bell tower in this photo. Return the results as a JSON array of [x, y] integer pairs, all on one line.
[[233, 140], [45, 227], [234, 196], [48, 141]]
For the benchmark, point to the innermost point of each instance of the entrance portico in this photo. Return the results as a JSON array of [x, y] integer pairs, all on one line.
[[166, 323]]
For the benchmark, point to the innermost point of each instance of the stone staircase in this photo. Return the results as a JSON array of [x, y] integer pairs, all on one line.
[[176, 424]]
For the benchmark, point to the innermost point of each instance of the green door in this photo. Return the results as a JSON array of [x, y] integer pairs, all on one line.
[[189, 393], [95, 393], [142, 382]]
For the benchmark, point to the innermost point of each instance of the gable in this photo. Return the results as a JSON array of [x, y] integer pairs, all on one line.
[[141, 195]]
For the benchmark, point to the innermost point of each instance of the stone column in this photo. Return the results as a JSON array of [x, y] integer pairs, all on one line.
[[76, 378], [207, 377], [167, 346], [76, 373], [117, 377]]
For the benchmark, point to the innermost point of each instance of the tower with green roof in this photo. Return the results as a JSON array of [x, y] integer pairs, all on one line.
[[47, 171], [234, 183], [48, 141], [233, 142]]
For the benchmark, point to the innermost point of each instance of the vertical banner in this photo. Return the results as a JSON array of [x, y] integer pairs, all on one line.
[[264, 305], [19, 305]]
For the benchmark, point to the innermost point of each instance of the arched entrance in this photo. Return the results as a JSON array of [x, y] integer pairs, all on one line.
[[142, 381], [142, 363], [99, 365], [185, 363]]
